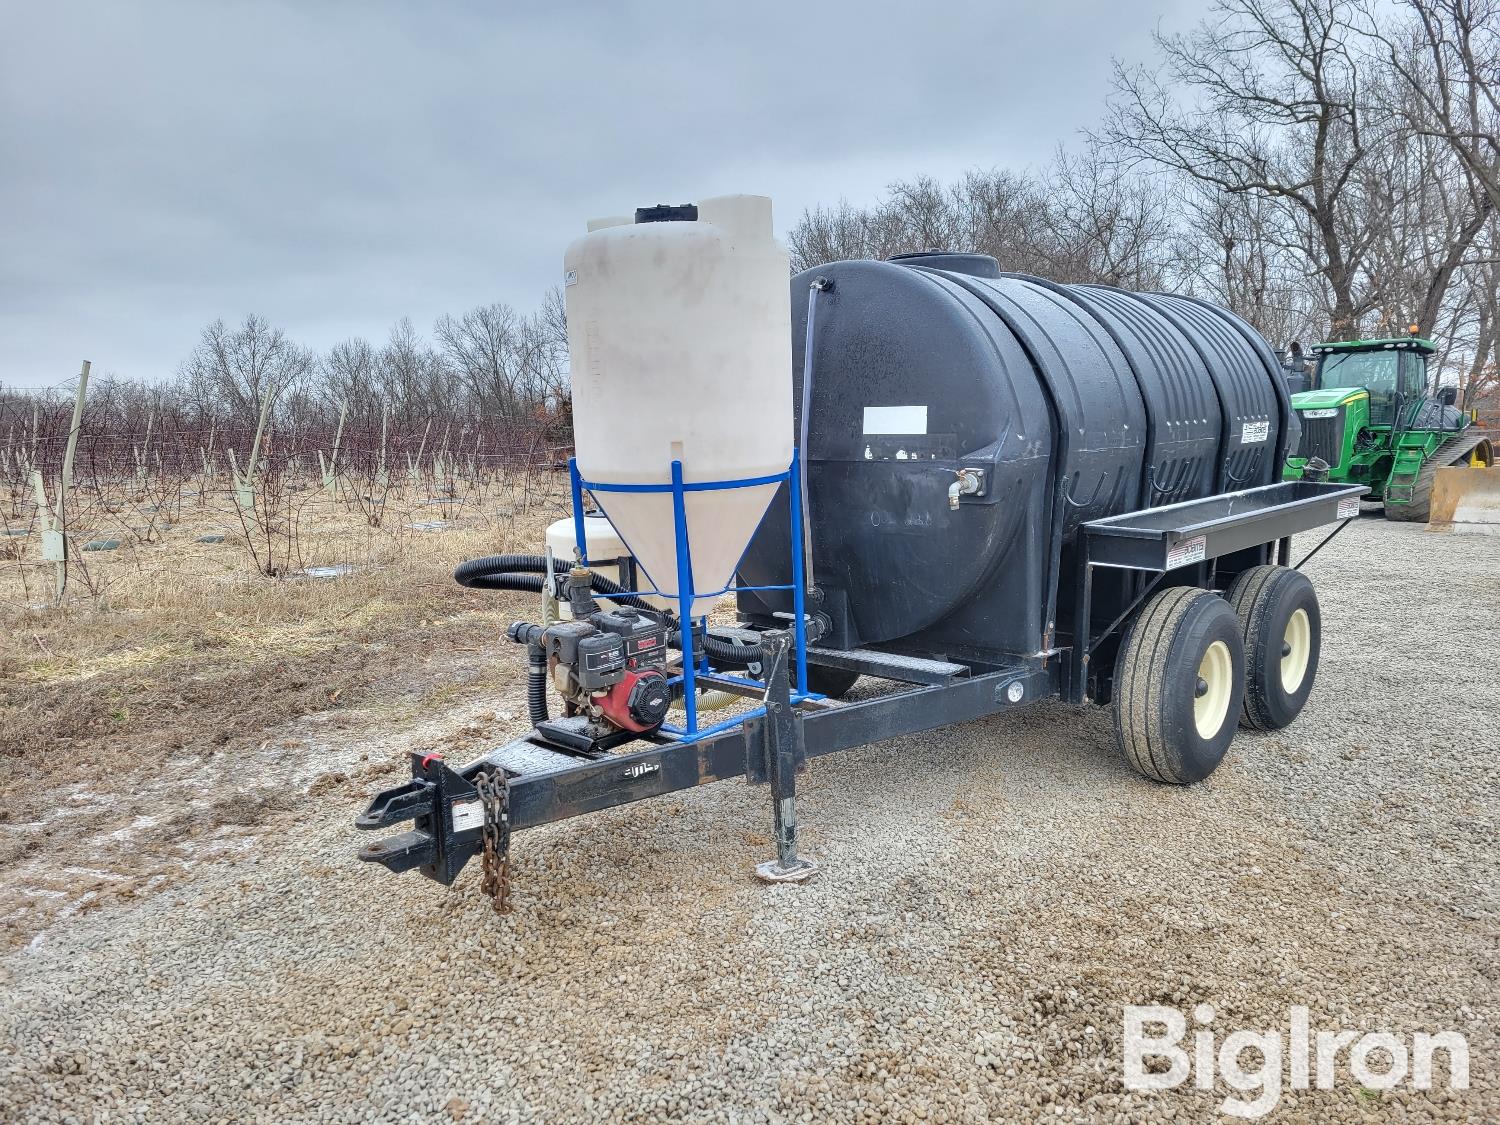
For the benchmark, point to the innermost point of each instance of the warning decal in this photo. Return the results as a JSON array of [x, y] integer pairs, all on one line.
[[467, 815], [1188, 551], [1254, 432]]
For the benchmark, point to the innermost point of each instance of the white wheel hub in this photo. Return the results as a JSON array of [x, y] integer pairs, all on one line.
[[1296, 648], [1214, 689]]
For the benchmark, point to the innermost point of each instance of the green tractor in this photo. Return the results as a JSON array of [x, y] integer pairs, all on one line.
[[1370, 417]]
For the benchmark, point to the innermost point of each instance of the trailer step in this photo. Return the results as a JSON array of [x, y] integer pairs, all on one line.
[[529, 756], [888, 665]]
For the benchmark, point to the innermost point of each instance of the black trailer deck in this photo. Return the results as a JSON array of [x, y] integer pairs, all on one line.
[[459, 812]]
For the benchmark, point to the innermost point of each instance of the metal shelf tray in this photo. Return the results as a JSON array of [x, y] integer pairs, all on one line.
[[1176, 535]]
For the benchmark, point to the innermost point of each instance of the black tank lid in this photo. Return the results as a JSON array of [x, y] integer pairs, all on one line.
[[668, 213], [975, 265]]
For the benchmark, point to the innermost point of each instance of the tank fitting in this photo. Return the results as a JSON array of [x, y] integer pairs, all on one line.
[[580, 597], [970, 482]]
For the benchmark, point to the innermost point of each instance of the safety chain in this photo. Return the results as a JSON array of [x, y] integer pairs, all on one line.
[[494, 793]]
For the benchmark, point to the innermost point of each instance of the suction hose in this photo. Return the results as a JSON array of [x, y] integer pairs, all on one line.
[[526, 572], [725, 652], [536, 683], [711, 700], [524, 633]]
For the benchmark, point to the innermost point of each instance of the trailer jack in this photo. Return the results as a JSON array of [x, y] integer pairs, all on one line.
[[783, 753]]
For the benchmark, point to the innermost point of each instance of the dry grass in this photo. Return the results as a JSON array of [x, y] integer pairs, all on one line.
[[158, 716], [171, 708], [169, 643]]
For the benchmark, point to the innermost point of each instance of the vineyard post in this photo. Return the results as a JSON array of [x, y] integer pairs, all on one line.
[[243, 496], [414, 467], [330, 471], [54, 538], [441, 455], [381, 475], [143, 454]]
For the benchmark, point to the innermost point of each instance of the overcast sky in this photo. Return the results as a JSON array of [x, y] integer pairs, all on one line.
[[337, 165]]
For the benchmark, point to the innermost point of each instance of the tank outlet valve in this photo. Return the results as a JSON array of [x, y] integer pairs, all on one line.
[[970, 482], [580, 593]]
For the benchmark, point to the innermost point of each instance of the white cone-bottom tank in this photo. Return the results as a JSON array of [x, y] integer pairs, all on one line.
[[679, 335]]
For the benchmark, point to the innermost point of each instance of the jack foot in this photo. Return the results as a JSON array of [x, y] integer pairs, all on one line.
[[798, 871]]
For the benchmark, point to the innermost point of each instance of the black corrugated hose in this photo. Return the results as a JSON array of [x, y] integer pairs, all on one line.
[[525, 572], [536, 683], [723, 652]]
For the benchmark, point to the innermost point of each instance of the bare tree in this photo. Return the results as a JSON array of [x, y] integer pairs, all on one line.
[[1077, 220], [1473, 355], [1434, 212], [350, 374], [482, 346], [543, 353], [1435, 204], [1230, 250], [1101, 224], [1453, 77], [411, 377], [845, 233], [236, 366], [1263, 99]]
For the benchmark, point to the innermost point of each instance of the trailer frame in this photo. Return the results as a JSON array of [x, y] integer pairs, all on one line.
[[545, 783]]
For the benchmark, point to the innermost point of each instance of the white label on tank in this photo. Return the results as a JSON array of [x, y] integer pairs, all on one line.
[[1255, 431], [467, 815], [570, 278], [1188, 551], [895, 419], [1348, 508], [1331, 412]]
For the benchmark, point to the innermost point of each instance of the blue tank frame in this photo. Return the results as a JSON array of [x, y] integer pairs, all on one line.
[[695, 665]]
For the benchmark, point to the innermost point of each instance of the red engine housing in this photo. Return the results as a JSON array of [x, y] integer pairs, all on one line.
[[616, 704]]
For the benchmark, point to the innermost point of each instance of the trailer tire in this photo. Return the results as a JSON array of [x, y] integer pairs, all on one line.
[[1283, 629], [1179, 685]]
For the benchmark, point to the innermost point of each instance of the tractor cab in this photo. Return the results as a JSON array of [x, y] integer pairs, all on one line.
[[1392, 372], [1370, 419]]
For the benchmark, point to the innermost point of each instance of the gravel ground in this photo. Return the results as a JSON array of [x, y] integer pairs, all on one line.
[[991, 895]]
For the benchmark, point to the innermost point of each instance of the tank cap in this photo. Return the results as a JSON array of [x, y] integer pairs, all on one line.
[[668, 213], [975, 265]]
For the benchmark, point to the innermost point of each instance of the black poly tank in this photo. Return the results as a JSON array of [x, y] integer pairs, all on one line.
[[1082, 401]]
